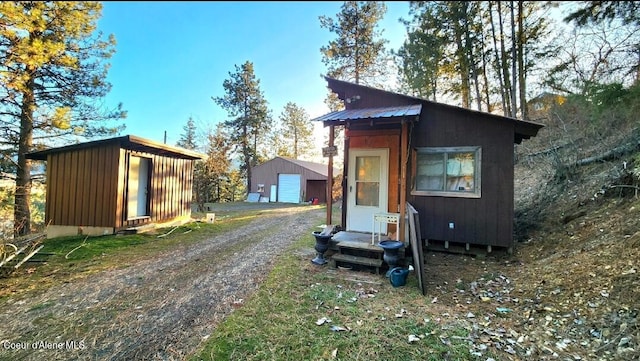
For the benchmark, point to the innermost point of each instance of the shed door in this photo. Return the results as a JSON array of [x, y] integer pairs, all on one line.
[[138, 187], [367, 188], [289, 188], [273, 193]]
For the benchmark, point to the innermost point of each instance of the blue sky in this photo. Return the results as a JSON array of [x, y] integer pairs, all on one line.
[[172, 57]]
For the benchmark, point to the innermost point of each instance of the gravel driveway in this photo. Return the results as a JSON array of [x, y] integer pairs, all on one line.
[[160, 309]]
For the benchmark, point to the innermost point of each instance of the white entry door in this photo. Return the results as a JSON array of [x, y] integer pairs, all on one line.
[[272, 193], [367, 187]]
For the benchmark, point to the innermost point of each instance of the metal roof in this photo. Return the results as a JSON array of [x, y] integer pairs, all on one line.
[[319, 168], [371, 113], [127, 142]]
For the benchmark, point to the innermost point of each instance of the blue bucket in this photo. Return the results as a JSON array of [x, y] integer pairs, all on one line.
[[398, 276]]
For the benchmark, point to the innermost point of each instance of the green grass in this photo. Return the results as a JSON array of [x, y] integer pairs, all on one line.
[[279, 321]]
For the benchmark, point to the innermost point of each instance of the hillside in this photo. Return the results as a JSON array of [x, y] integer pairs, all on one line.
[[578, 225]]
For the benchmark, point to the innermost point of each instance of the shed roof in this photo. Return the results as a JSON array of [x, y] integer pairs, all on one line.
[[523, 129], [130, 142]]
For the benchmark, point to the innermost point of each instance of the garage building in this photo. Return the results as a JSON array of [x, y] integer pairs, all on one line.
[[288, 180]]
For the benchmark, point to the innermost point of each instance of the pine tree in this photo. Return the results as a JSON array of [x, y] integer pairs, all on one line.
[[212, 175], [471, 50], [251, 119], [188, 138], [600, 11], [296, 131], [358, 53], [53, 71]]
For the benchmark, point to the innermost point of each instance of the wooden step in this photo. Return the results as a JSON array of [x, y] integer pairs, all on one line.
[[349, 259], [360, 246]]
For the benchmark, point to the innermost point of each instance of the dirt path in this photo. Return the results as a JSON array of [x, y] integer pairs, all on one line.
[[160, 309]]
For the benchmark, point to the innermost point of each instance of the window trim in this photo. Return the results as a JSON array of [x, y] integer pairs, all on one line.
[[477, 193]]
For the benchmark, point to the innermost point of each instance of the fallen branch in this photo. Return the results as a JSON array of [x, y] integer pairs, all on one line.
[[28, 256], [625, 186], [610, 155], [81, 244]]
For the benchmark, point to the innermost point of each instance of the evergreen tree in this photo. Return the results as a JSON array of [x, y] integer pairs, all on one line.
[[600, 11], [469, 50], [447, 33], [296, 132], [188, 138], [251, 120], [358, 53], [212, 175], [53, 71], [421, 58]]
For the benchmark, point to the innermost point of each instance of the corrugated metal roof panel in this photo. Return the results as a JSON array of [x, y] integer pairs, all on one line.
[[369, 113]]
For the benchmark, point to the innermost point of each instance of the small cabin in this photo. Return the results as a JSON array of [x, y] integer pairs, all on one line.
[[111, 185], [455, 166]]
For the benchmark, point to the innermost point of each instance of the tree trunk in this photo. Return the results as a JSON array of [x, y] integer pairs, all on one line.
[[521, 70], [465, 88], [514, 41], [21, 211], [247, 158], [505, 65], [485, 79], [472, 69], [498, 59]]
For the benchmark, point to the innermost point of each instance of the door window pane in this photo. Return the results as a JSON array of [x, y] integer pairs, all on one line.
[[367, 181]]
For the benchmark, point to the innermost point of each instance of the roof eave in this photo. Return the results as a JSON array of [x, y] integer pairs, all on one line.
[[526, 130], [127, 142]]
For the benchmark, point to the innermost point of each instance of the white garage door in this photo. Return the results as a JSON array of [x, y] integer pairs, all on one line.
[[289, 188]]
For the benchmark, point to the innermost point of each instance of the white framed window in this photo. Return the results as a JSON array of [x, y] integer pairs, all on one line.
[[447, 171], [260, 188]]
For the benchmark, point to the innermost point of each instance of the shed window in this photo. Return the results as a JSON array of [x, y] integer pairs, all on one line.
[[452, 172]]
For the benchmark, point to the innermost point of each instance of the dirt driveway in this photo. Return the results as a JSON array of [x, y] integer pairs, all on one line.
[[160, 309]]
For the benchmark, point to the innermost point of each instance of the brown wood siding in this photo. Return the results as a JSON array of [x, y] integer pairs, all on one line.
[[369, 97], [80, 186], [267, 174], [480, 221]]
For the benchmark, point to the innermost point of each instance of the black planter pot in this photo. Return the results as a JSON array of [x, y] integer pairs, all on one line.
[[391, 253], [322, 245]]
